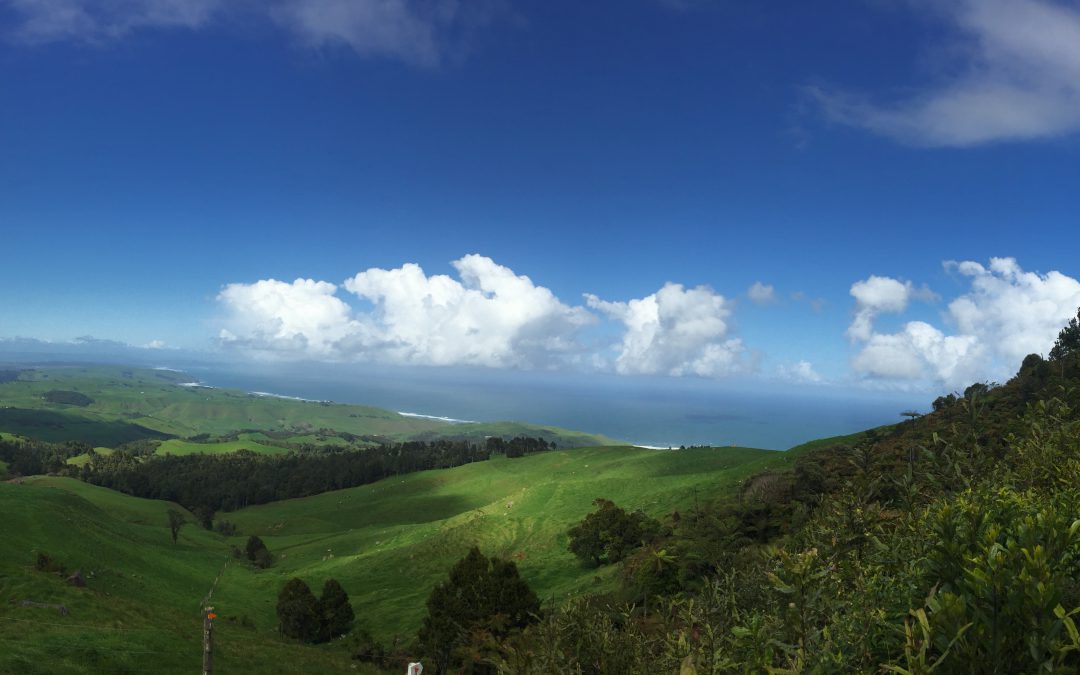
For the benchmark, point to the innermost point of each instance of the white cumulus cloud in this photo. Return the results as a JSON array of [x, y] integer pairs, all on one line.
[[1006, 314], [922, 351], [304, 318], [491, 317], [483, 315], [675, 331], [874, 296], [1017, 312], [802, 371], [762, 294], [1015, 75]]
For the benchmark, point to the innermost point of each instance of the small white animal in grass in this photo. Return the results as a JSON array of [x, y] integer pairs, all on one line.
[[415, 668]]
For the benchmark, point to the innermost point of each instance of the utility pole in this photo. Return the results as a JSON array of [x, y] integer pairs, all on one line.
[[208, 641]]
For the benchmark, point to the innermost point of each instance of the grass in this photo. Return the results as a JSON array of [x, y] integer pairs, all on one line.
[[388, 543], [81, 460], [140, 610], [175, 446], [56, 426]]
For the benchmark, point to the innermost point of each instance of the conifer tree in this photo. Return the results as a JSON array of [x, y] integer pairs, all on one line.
[[335, 612], [1068, 340], [481, 594], [298, 612]]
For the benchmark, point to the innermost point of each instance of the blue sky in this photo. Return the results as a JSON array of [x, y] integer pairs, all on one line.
[[162, 161]]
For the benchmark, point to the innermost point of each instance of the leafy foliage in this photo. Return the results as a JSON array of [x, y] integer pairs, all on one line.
[[1068, 341], [176, 521], [232, 481], [947, 543], [483, 600], [298, 612], [256, 552], [610, 534], [302, 617], [26, 457], [335, 613]]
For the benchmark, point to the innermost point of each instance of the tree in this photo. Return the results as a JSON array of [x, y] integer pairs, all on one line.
[[335, 612], [911, 415], [253, 547], [257, 552], [609, 534], [176, 521], [481, 595], [1068, 341], [205, 516], [298, 612]]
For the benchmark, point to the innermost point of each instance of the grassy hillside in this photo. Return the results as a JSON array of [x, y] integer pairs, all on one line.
[[175, 446], [388, 543], [114, 405], [139, 612], [518, 509]]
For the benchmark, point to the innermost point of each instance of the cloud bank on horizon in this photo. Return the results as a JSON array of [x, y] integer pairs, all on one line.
[[1007, 314], [488, 316], [492, 317]]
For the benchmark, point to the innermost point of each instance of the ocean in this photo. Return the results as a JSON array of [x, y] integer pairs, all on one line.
[[659, 412]]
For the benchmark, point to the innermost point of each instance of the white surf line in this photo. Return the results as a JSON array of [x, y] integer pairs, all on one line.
[[287, 398], [451, 420], [655, 447], [195, 385]]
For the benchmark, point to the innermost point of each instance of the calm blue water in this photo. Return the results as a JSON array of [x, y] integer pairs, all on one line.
[[641, 410], [648, 411]]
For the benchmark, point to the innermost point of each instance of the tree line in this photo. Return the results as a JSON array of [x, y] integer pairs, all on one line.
[[29, 457], [232, 481]]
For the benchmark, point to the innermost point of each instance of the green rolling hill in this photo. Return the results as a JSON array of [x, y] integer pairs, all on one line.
[[388, 543]]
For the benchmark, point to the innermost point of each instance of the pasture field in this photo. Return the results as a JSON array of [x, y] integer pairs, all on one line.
[[388, 543], [139, 611], [175, 446]]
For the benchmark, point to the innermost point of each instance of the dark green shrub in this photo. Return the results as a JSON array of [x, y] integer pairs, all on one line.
[[609, 534], [256, 552], [484, 599]]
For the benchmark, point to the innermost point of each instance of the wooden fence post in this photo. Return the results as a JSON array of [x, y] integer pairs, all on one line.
[[208, 641]]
